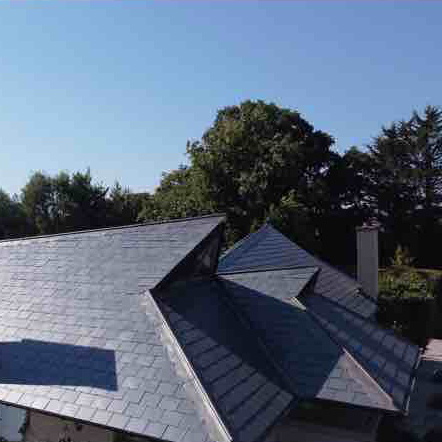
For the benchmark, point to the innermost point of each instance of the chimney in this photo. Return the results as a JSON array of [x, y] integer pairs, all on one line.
[[368, 257]]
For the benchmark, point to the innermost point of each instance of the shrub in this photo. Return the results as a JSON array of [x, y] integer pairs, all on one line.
[[407, 304], [402, 257]]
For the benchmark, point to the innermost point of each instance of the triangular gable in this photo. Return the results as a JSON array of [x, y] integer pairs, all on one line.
[[390, 360], [268, 248], [316, 366]]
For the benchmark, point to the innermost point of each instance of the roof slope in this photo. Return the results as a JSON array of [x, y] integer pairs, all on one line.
[[241, 382], [316, 366], [390, 360], [268, 248], [78, 337]]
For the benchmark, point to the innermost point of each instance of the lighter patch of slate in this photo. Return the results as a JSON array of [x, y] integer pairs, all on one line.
[[77, 334]]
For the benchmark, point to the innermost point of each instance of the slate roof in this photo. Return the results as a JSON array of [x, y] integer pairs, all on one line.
[[317, 367], [236, 373], [390, 360], [78, 337], [130, 328], [341, 354], [268, 248]]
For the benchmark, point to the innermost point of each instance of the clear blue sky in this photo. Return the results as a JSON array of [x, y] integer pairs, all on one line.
[[121, 86]]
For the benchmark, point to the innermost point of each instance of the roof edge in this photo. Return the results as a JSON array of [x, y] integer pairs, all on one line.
[[268, 269], [400, 409], [218, 229], [319, 259], [168, 335], [105, 229], [243, 242]]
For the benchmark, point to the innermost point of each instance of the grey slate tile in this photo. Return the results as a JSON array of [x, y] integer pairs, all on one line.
[[69, 410], [26, 400], [171, 418], [118, 420], [136, 425], [297, 341], [268, 248], [101, 417], [198, 312], [54, 406], [156, 429], [174, 433], [40, 403], [69, 319], [169, 403], [117, 406], [85, 413], [372, 346]]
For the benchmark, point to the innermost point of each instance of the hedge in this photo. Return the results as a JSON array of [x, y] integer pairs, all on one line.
[[407, 303]]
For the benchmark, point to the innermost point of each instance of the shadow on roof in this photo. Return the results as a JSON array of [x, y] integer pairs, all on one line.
[[234, 370], [30, 362], [301, 349], [318, 366], [388, 359]]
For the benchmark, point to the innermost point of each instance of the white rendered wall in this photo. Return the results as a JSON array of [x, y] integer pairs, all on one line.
[[11, 420]]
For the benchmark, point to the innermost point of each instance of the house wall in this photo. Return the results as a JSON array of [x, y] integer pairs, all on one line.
[[11, 420], [422, 417], [295, 431], [45, 428]]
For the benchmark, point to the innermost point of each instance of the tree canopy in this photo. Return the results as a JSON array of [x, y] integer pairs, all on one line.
[[259, 162]]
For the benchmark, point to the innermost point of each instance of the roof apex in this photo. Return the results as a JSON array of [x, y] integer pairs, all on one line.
[[106, 229]]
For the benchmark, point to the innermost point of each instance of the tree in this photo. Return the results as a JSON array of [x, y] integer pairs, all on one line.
[[64, 203], [406, 182], [12, 217], [38, 203], [124, 206], [253, 156], [179, 195]]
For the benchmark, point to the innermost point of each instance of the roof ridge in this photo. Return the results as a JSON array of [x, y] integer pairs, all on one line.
[[243, 317], [276, 378], [105, 229], [237, 246], [208, 404], [317, 258], [265, 269]]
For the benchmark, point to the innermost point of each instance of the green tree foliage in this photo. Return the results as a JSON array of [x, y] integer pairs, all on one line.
[[407, 303], [402, 257], [253, 156], [124, 206], [179, 195], [64, 203], [292, 218], [38, 204], [13, 220], [259, 162], [401, 179]]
